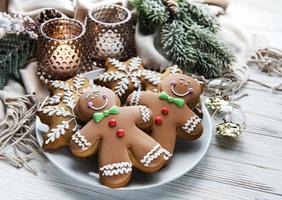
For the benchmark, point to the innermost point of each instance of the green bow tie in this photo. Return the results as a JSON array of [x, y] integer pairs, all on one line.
[[177, 101], [97, 117]]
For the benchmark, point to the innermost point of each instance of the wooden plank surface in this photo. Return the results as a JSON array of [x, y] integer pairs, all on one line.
[[250, 168]]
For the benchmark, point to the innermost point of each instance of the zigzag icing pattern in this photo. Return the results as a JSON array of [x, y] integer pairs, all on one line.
[[80, 140], [145, 113], [152, 155], [191, 124], [116, 169], [167, 155], [135, 99]]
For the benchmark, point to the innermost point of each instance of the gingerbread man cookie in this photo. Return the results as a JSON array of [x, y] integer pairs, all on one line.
[[168, 71], [114, 132], [58, 111], [126, 77], [171, 114]]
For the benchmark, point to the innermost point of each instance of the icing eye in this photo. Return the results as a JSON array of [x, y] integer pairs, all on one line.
[[173, 83], [104, 96], [92, 98], [190, 90], [90, 104]]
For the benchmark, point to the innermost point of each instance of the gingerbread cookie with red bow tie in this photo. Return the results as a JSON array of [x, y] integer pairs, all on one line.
[[114, 132], [170, 108]]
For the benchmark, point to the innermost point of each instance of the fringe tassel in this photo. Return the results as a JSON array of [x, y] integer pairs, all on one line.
[[18, 144]]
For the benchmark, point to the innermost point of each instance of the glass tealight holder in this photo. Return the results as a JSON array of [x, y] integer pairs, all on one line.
[[110, 33], [60, 49], [229, 121], [217, 93]]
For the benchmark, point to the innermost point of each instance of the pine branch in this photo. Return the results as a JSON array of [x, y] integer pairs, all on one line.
[[188, 38], [209, 43], [154, 12], [192, 47], [178, 45], [207, 66], [199, 14]]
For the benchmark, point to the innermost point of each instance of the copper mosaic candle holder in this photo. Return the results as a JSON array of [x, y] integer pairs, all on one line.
[[60, 49], [110, 33]]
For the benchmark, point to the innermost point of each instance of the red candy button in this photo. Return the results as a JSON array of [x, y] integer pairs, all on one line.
[[158, 121], [112, 123], [120, 133], [164, 110]]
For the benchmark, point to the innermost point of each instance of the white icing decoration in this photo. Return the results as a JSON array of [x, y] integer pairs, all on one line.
[[55, 133], [56, 99], [51, 111], [60, 85], [110, 76], [135, 64], [121, 87], [191, 124], [85, 90], [166, 154], [145, 113], [80, 140], [135, 98], [69, 99], [151, 76], [179, 94], [128, 73], [76, 127], [156, 152], [174, 69], [116, 169], [78, 81]]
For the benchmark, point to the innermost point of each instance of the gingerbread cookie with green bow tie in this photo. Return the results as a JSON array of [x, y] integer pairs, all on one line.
[[170, 108], [168, 71], [114, 132]]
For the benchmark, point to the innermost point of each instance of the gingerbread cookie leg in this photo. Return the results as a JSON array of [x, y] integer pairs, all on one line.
[[146, 154], [115, 166]]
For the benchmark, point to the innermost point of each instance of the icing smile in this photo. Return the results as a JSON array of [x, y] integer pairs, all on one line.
[[181, 81], [91, 105]]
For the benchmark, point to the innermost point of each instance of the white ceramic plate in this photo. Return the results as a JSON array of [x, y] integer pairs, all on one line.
[[187, 154]]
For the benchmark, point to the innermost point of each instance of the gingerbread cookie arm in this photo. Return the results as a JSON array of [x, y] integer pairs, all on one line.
[[85, 141], [190, 126], [141, 115], [138, 98]]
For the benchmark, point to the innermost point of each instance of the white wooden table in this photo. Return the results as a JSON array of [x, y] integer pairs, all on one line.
[[251, 168]]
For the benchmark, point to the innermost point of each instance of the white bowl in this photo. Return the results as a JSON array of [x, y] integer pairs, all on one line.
[[187, 154]]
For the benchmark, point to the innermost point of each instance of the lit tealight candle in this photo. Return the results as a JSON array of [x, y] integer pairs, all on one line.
[[60, 49]]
